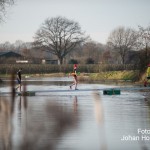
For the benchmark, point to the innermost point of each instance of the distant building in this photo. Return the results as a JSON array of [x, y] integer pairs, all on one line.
[[9, 57], [9, 54], [23, 61]]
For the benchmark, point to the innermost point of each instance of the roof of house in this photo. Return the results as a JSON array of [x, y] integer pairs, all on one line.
[[9, 54]]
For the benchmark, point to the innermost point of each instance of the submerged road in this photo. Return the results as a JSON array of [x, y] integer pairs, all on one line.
[[86, 90]]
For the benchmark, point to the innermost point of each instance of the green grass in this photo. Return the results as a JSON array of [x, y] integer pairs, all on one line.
[[115, 75]]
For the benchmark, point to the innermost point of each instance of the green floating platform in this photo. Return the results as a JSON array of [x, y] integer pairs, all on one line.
[[27, 93], [111, 92]]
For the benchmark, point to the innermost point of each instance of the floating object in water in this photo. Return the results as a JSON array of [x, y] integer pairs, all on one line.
[[27, 93], [111, 92]]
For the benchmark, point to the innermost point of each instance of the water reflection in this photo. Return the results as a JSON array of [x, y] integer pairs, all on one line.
[[5, 124], [35, 125], [75, 104], [43, 126], [98, 108], [74, 120], [99, 117]]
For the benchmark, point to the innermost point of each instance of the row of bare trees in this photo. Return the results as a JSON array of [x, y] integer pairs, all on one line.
[[90, 52], [123, 40], [61, 36], [124, 46], [64, 39]]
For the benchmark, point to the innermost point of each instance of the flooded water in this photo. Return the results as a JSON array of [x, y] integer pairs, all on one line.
[[73, 120]]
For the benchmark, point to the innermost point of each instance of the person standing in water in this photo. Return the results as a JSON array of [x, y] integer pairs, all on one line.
[[19, 73], [148, 72], [75, 82], [147, 75]]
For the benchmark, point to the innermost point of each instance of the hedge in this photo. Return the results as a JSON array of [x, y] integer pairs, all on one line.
[[48, 68]]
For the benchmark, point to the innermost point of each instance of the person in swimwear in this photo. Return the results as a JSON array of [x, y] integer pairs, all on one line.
[[75, 68], [75, 82]]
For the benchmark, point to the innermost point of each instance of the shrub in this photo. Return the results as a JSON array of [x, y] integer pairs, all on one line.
[[89, 61], [73, 61]]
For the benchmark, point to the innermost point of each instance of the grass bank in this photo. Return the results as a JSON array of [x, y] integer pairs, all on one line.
[[107, 75], [116, 75], [126, 75]]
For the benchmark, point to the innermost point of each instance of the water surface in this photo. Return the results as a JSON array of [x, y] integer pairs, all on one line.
[[82, 120]]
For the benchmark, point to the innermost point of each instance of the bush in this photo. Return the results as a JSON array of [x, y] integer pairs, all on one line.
[[73, 61], [89, 61]]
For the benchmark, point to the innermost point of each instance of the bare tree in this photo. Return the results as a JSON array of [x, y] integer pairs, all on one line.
[[6, 46], [143, 42], [59, 36], [106, 57], [3, 5], [122, 40]]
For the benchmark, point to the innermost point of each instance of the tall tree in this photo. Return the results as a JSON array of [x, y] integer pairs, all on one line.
[[144, 43], [59, 36], [122, 40], [3, 5]]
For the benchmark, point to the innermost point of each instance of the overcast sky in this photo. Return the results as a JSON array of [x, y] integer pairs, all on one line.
[[96, 17]]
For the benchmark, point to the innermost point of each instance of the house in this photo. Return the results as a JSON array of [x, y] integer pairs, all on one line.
[[9, 57], [44, 57], [9, 54], [35, 57]]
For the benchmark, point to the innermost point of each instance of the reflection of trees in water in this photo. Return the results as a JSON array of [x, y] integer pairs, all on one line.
[[75, 104], [46, 125], [5, 124], [99, 117], [41, 124]]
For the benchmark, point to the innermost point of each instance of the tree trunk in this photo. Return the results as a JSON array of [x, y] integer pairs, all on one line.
[[60, 61], [146, 54]]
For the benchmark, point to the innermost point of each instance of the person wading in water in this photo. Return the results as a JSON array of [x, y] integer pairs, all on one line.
[[75, 82], [19, 79]]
